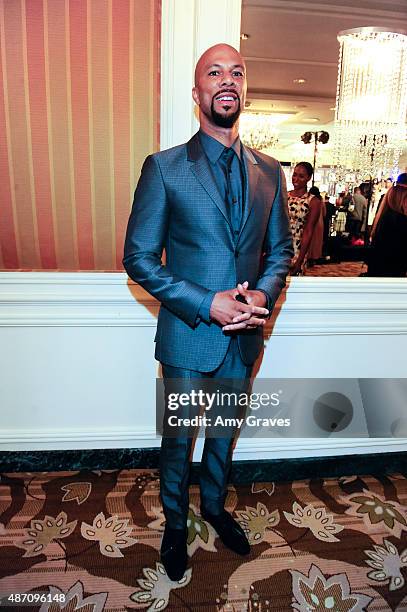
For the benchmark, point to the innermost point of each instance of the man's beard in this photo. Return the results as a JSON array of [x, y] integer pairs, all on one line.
[[225, 121]]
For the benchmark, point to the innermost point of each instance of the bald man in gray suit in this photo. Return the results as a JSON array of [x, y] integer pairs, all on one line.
[[219, 209]]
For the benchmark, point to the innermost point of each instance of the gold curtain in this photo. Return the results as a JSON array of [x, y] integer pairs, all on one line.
[[79, 111]]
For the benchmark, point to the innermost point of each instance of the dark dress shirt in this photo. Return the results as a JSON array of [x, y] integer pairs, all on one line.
[[213, 150]]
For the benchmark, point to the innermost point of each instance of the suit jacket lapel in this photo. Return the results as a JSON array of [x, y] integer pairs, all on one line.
[[202, 171], [252, 174]]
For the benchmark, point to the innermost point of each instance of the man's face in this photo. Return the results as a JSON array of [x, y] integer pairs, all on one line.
[[220, 85]]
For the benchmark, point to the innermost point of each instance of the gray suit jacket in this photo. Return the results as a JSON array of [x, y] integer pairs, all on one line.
[[177, 207]]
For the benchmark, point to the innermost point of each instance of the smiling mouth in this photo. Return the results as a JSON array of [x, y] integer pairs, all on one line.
[[226, 98]]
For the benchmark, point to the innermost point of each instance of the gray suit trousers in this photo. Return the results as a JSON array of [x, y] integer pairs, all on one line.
[[217, 453]]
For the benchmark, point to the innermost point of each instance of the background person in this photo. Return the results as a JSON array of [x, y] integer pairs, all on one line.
[[341, 213], [388, 254], [330, 212], [357, 216], [304, 210]]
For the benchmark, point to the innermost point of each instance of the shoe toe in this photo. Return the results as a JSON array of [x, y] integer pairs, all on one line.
[[175, 574], [230, 532], [175, 563], [174, 555]]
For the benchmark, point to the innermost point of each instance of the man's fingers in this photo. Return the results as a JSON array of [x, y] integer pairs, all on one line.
[[242, 317], [247, 315], [243, 325], [234, 326], [242, 287], [253, 310], [260, 310], [249, 323], [256, 322], [241, 295]]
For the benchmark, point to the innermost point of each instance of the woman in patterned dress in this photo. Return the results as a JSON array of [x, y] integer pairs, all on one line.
[[304, 210]]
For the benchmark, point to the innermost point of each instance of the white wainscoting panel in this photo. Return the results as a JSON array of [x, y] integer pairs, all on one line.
[[77, 366]]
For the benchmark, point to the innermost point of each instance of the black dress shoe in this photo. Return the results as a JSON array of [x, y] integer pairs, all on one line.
[[174, 552], [229, 531]]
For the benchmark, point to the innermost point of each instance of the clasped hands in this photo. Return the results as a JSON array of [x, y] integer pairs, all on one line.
[[232, 314]]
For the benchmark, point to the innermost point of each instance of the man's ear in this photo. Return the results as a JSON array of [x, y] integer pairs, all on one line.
[[195, 96]]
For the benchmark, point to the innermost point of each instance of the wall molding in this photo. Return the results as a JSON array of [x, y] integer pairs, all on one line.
[[395, 11], [276, 60], [177, 65], [80, 346], [247, 449], [310, 306], [188, 28]]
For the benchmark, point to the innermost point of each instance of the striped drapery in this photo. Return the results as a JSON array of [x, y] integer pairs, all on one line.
[[79, 111]]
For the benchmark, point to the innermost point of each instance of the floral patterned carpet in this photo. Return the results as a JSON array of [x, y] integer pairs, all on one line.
[[90, 541], [346, 268]]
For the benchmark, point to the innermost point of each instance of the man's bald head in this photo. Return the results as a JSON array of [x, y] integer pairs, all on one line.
[[220, 87], [210, 56]]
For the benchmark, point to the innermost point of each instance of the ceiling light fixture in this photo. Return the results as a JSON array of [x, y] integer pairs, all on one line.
[[371, 102], [299, 81], [257, 130]]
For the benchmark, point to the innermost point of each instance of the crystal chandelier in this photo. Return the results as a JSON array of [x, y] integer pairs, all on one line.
[[257, 130], [371, 102]]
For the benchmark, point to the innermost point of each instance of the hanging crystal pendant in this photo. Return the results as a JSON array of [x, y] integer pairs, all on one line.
[[371, 102], [257, 130]]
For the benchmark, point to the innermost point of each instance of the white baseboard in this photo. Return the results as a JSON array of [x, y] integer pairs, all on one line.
[[246, 449]]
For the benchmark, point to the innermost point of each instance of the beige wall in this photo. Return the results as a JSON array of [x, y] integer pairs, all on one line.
[[79, 108]]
